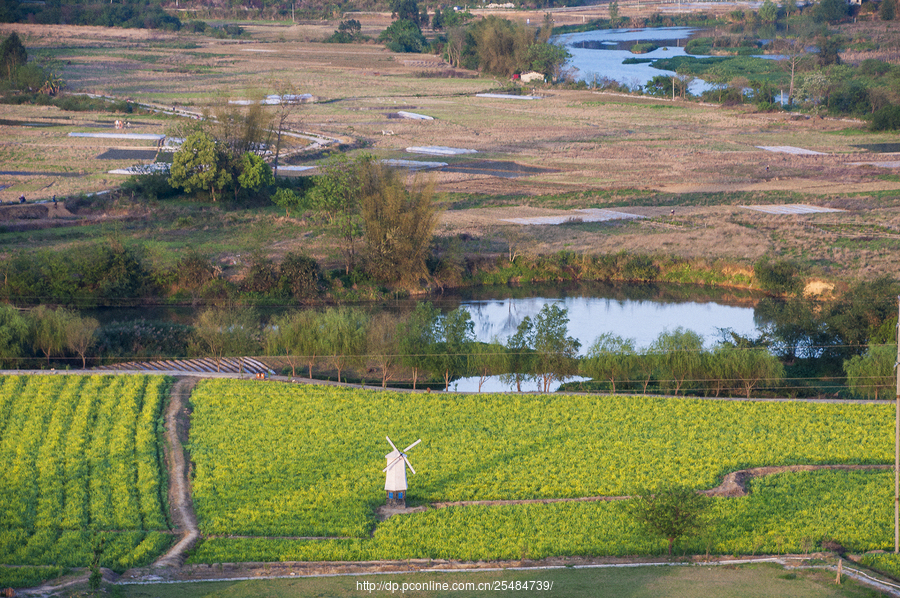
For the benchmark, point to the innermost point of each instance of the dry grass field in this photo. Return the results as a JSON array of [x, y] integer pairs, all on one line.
[[643, 155]]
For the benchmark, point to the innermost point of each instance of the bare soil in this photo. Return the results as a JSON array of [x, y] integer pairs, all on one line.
[[570, 149], [181, 505]]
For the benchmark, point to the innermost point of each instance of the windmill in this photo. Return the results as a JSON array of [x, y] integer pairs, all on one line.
[[395, 480]]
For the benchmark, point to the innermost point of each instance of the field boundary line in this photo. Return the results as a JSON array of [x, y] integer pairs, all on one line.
[[181, 504]]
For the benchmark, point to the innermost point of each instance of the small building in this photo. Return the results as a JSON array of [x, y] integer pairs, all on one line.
[[531, 76]]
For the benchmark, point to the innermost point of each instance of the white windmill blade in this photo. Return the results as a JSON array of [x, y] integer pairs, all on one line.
[[412, 445], [392, 444], [402, 456], [392, 463]]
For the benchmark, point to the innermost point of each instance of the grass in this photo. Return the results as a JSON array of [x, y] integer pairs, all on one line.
[[761, 581]]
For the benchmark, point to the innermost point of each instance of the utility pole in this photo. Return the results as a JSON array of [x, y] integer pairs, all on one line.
[[897, 444]]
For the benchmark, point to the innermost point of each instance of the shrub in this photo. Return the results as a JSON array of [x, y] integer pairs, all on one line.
[[886, 119], [778, 277]]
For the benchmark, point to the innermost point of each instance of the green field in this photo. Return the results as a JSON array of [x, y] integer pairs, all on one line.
[[81, 463], [306, 461]]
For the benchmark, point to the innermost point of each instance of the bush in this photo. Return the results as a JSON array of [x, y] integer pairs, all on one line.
[[300, 276], [777, 277], [886, 119], [641, 268], [150, 186]]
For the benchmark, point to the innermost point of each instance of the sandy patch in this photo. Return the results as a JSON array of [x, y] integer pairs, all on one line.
[[815, 288]]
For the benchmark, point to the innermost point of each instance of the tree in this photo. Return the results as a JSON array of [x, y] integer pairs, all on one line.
[[546, 58], [830, 11], [611, 358], [829, 50], [347, 32], [297, 336], [80, 335], [768, 12], [792, 50], [793, 327], [403, 35], [13, 334], [240, 129], [255, 172], [407, 10], [399, 225], [12, 55], [221, 332], [456, 335], [382, 344], [888, 10], [671, 512], [200, 164], [872, 372], [287, 199], [48, 330], [489, 359], [193, 272], [749, 367], [498, 46], [456, 43], [678, 355], [299, 276], [343, 336], [337, 193], [417, 338], [521, 357], [780, 276], [555, 353], [288, 102]]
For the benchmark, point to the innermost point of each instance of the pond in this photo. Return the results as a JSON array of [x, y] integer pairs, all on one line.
[[599, 54], [637, 311]]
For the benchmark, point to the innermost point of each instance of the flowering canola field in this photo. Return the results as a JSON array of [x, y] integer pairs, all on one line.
[[81, 458], [280, 460]]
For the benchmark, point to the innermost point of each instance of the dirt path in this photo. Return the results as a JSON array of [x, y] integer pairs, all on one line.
[[180, 504]]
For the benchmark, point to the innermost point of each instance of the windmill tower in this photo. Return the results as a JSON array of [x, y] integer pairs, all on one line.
[[395, 478]]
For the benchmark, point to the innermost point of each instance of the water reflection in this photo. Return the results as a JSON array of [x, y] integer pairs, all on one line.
[[589, 317]]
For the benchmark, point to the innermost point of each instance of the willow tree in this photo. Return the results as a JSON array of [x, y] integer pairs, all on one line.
[[678, 357], [221, 332], [343, 337], [872, 373], [383, 344], [298, 337], [611, 358]]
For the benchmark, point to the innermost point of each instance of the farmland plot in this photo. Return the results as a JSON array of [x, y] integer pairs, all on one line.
[[81, 461], [784, 514], [306, 461]]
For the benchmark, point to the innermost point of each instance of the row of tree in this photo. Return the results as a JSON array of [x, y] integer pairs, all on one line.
[[426, 344]]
